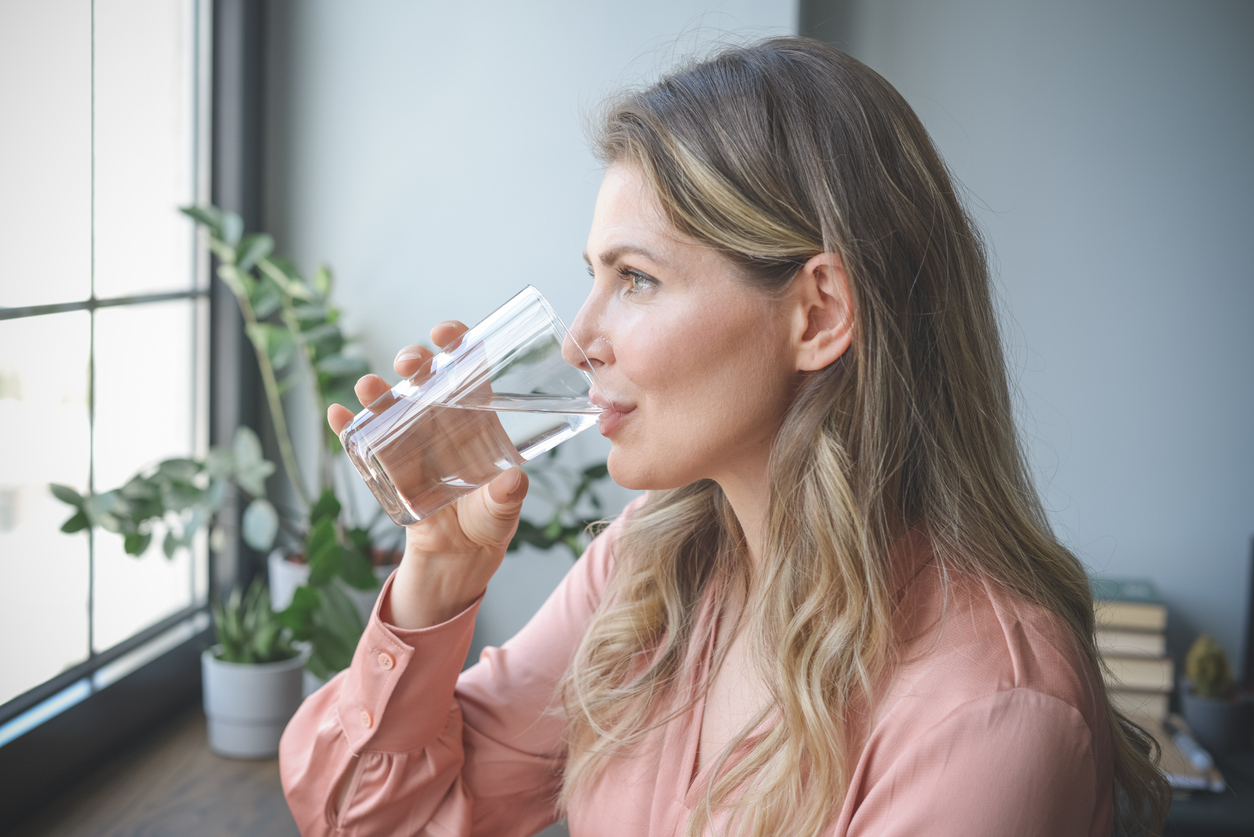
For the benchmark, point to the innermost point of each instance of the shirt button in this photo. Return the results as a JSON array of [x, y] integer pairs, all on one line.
[[385, 661], [366, 720]]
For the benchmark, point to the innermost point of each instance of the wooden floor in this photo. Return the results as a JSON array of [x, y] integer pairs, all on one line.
[[170, 785]]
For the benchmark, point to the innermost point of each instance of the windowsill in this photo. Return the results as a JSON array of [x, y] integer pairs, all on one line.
[[170, 783]]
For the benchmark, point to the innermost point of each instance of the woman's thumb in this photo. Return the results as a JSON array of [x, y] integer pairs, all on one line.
[[506, 493]]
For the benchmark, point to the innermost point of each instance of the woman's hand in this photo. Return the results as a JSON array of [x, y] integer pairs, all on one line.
[[450, 555]]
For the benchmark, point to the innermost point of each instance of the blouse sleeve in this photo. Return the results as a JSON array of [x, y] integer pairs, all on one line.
[[1015, 762], [426, 751]]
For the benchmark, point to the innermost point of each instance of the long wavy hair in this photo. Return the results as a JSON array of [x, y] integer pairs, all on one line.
[[771, 154]]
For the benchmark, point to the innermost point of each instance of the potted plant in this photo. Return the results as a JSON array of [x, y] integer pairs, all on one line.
[[251, 678], [1216, 712], [325, 575], [295, 333]]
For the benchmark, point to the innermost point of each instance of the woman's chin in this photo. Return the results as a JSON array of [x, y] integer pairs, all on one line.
[[635, 475]]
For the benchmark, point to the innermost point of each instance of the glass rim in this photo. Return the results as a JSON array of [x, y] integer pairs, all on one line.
[[563, 332]]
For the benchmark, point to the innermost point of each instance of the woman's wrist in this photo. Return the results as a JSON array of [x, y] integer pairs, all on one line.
[[429, 591]]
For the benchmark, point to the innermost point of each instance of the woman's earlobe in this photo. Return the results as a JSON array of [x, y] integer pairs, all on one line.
[[828, 310]]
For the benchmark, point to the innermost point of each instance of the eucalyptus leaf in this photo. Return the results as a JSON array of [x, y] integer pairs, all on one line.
[[322, 280], [210, 216], [179, 469], [232, 228], [67, 495], [220, 462], [76, 523], [99, 505], [260, 524], [136, 543], [252, 249], [180, 495], [267, 297]]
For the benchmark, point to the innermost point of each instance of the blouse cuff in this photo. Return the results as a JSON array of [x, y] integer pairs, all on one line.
[[415, 670]]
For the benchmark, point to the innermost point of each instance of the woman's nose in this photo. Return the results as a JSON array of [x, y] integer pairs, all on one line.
[[585, 346]]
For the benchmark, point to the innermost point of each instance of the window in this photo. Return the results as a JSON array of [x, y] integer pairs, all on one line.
[[104, 327]]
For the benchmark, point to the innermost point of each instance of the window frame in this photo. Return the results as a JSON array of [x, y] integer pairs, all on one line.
[[132, 687]]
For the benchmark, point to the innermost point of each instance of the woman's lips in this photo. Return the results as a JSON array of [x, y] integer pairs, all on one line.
[[612, 412]]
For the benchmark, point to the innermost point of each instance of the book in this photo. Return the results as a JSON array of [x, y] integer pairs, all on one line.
[[1122, 643], [1185, 763], [1128, 603], [1141, 707], [1141, 674]]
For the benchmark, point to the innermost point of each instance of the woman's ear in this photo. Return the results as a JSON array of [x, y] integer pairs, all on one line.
[[824, 313]]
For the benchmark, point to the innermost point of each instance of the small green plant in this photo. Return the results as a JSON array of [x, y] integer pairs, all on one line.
[[576, 502], [1206, 666], [181, 495], [249, 632]]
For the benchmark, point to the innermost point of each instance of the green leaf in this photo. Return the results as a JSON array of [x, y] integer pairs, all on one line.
[[298, 616], [232, 228], [67, 495], [266, 298], [323, 551], [215, 496], [179, 469], [76, 523], [259, 525], [355, 566], [326, 507], [251, 468], [220, 462], [210, 216], [180, 495], [252, 249], [99, 505], [277, 342], [596, 472], [135, 543], [322, 280], [169, 545]]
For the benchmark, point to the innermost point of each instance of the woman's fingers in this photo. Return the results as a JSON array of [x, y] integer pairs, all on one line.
[[409, 359], [447, 331], [338, 416], [370, 388]]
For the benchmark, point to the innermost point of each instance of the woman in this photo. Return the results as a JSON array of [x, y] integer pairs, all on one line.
[[840, 610]]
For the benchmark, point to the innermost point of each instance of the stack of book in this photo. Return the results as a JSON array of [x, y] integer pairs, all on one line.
[[1131, 636], [1131, 626]]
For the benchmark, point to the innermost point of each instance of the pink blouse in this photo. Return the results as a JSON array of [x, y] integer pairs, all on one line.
[[990, 726]]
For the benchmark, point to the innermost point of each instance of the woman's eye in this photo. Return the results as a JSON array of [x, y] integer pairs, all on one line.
[[637, 281]]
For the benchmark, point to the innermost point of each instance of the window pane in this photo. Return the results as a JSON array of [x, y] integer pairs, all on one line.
[[145, 94], [144, 397], [45, 96], [43, 420]]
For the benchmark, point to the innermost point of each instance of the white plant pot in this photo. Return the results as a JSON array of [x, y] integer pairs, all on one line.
[[247, 706], [286, 576]]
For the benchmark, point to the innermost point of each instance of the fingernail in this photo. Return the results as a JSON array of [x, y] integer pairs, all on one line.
[[449, 324], [517, 486], [407, 354]]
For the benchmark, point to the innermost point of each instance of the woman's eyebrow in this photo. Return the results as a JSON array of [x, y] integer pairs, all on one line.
[[614, 253]]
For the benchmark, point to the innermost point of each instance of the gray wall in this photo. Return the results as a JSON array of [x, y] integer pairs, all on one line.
[[434, 154], [1108, 148]]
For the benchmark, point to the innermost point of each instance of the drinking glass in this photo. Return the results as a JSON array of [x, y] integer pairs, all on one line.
[[498, 396]]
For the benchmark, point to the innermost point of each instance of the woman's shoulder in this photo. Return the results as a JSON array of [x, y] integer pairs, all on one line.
[[966, 639]]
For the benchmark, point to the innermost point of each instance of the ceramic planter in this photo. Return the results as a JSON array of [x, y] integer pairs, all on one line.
[[247, 706], [286, 575], [1221, 726]]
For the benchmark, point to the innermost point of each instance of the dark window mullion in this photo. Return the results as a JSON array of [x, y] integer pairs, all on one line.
[[93, 304]]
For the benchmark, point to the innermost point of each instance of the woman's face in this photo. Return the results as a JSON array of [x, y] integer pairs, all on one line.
[[697, 369]]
